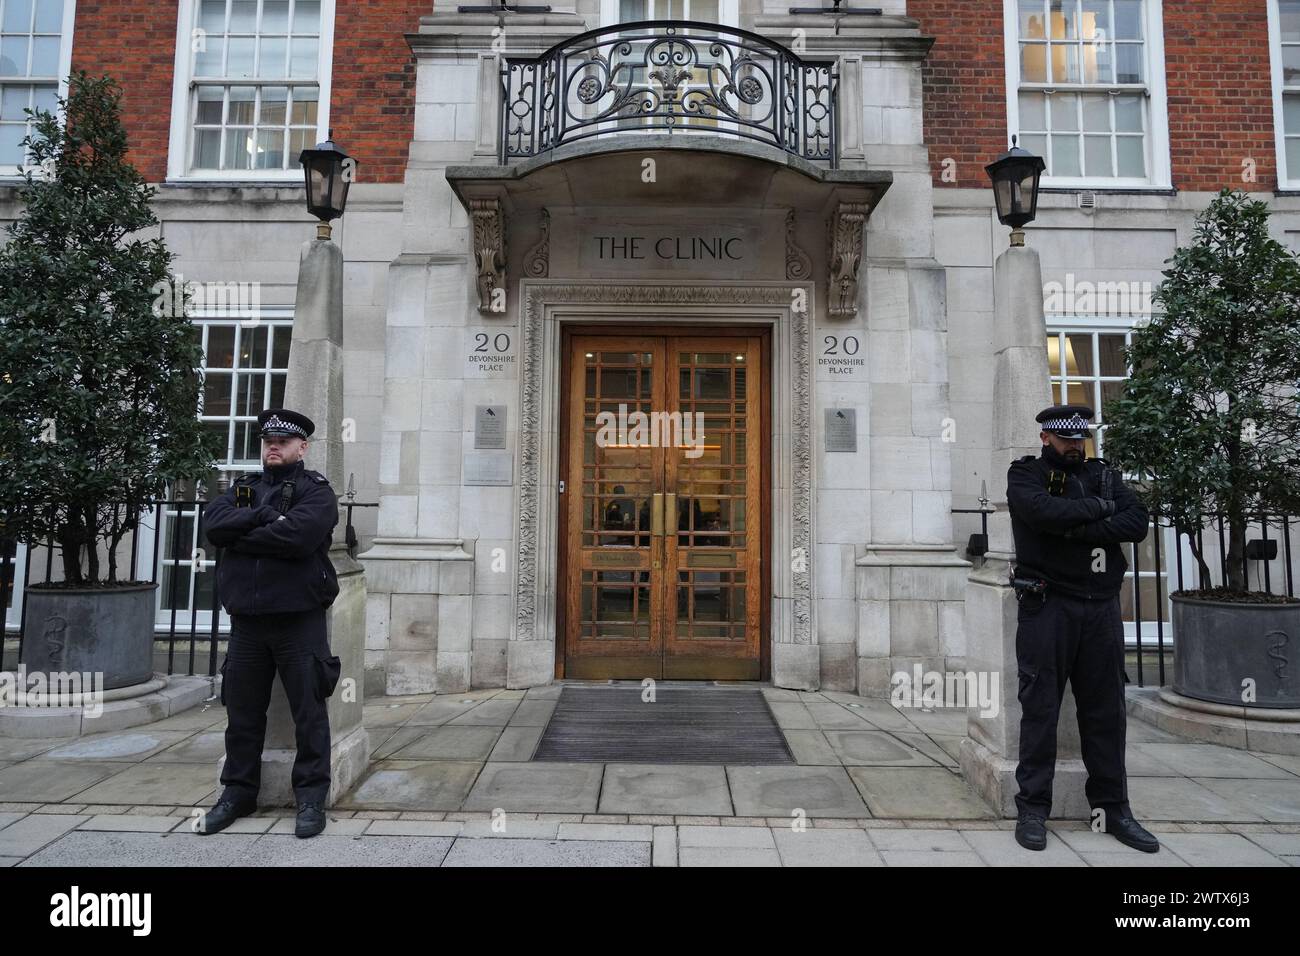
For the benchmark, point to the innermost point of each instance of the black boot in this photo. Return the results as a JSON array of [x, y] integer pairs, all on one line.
[[1031, 831], [1131, 833], [225, 813], [311, 820]]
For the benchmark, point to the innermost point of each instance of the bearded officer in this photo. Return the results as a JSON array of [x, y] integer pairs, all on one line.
[[275, 579], [1069, 514]]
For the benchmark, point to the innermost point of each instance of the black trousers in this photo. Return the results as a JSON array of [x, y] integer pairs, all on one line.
[[1062, 638], [262, 645]]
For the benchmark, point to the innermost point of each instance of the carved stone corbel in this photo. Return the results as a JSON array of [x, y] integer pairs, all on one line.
[[537, 264], [798, 265], [489, 254], [846, 256]]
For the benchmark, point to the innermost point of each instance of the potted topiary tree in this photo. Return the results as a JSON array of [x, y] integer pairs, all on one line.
[[1209, 422], [98, 392]]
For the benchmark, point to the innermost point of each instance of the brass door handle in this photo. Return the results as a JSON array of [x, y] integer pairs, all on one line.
[[672, 509], [657, 514]]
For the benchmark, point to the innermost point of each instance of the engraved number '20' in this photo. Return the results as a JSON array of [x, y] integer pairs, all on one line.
[[849, 349], [482, 339]]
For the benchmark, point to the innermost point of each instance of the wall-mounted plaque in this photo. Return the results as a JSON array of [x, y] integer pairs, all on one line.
[[841, 429], [489, 426], [489, 468]]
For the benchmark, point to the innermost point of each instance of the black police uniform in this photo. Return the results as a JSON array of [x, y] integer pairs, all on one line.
[[1069, 623], [275, 579]]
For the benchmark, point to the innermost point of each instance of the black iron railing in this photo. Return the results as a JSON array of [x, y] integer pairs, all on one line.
[[175, 562], [674, 75], [1269, 565]]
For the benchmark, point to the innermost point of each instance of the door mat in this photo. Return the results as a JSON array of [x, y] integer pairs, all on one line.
[[694, 724]]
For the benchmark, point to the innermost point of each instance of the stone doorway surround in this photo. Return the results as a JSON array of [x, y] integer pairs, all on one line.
[[548, 303]]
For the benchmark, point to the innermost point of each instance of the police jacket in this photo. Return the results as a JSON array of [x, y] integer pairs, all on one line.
[[1059, 524], [276, 549]]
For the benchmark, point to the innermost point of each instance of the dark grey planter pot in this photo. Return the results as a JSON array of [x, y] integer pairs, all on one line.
[[91, 630], [1218, 645]]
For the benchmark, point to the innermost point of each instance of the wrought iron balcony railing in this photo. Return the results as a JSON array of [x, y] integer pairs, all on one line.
[[673, 75]]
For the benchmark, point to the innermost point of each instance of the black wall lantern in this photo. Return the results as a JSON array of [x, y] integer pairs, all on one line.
[[329, 172], [1015, 177]]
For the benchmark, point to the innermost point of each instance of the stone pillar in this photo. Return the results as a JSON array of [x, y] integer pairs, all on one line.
[[1021, 390], [315, 388]]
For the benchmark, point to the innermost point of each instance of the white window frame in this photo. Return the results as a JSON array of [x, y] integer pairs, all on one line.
[[10, 171], [728, 13], [1159, 171], [1286, 178], [180, 140]]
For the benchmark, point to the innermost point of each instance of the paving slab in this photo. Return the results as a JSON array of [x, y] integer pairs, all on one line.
[[920, 839], [884, 715], [874, 748], [542, 788], [683, 789], [925, 858], [53, 781], [792, 715], [621, 832], [10, 816], [391, 740], [413, 785], [720, 836], [1218, 849], [451, 743], [999, 848], [155, 783], [434, 828], [726, 856], [1279, 844], [341, 850], [1277, 801], [387, 715], [1165, 857], [517, 743], [25, 837], [13, 749], [816, 847], [948, 721], [510, 826], [810, 749], [206, 747], [441, 710], [492, 713], [1288, 762], [1212, 760], [202, 717], [780, 791], [135, 745], [547, 853], [533, 712], [832, 716], [1179, 798], [930, 747], [918, 793], [132, 823]]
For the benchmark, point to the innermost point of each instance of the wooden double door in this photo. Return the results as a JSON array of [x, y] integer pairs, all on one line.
[[664, 508]]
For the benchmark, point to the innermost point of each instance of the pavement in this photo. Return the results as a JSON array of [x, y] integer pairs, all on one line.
[[451, 783]]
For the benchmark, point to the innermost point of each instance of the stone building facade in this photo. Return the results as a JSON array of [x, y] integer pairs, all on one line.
[[810, 271]]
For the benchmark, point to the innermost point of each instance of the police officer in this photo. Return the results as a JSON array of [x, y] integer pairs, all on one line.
[[275, 579], [1069, 514]]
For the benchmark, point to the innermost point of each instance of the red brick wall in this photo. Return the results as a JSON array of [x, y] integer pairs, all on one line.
[[964, 87], [1217, 74], [144, 66], [1220, 94], [372, 106], [372, 102]]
